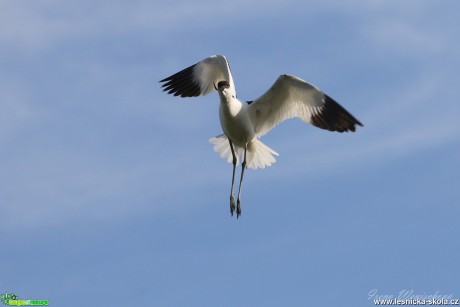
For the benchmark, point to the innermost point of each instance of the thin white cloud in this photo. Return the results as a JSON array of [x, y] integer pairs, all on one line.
[[34, 27], [371, 153], [398, 35], [16, 111]]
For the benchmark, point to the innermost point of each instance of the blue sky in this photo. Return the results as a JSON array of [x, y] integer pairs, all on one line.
[[110, 192]]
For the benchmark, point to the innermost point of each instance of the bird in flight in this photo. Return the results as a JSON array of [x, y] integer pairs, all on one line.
[[244, 122]]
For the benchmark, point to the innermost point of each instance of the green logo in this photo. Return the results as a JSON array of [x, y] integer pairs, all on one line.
[[13, 300]]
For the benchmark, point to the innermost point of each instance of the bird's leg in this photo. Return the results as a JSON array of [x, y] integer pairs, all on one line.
[[238, 202], [232, 198]]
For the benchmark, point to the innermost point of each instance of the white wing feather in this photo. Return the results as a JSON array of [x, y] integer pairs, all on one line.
[[291, 97]]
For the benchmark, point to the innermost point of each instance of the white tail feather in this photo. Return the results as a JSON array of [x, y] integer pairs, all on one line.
[[258, 154]]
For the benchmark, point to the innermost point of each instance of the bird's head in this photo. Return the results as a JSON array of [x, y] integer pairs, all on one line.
[[223, 89], [222, 85]]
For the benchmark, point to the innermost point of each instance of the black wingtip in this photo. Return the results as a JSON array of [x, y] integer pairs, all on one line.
[[333, 117], [182, 83]]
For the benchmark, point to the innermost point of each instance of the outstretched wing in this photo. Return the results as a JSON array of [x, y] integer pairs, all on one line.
[[291, 97], [200, 79]]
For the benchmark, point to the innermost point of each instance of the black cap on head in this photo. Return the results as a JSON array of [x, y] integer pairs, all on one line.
[[224, 84]]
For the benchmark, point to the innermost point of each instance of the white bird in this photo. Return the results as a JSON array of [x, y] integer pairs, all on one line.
[[244, 122]]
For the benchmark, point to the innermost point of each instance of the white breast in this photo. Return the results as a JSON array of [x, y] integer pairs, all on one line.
[[235, 121]]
